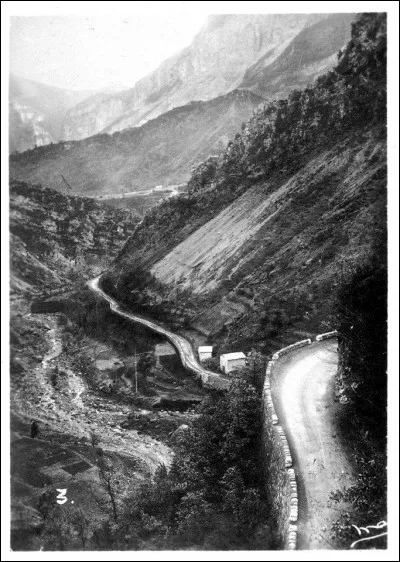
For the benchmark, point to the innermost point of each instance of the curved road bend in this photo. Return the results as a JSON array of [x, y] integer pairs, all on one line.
[[305, 400], [304, 386], [182, 345]]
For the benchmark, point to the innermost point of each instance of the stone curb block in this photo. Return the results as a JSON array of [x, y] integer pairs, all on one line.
[[268, 401], [327, 335], [292, 538], [289, 348]]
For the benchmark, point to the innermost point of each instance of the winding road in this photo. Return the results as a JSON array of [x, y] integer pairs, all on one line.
[[181, 344], [304, 396]]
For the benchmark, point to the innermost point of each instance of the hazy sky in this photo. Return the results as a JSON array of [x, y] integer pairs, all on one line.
[[80, 53]]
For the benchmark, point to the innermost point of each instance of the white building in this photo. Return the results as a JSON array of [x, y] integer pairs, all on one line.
[[232, 361], [205, 352]]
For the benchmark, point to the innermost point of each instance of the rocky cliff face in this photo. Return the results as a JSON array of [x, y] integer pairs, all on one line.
[[37, 111], [311, 53], [160, 152], [214, 63], [27, 128]]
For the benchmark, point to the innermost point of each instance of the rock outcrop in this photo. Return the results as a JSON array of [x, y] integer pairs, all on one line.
[[213, 64], [37, 112]]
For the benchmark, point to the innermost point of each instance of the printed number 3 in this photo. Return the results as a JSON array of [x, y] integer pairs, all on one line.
[[61, 496]]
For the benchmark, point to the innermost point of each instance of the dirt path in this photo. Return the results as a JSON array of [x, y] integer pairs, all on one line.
[[304, 388], [55, 347]]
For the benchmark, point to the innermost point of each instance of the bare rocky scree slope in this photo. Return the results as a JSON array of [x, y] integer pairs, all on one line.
[[296, 200], [280, 242]]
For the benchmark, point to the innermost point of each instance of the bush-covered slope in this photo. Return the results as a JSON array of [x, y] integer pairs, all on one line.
[[361, 317], [56, 238], [269, 225], [160, 152]]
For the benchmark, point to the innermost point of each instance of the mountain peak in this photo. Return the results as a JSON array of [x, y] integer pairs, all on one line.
[[212, 65]]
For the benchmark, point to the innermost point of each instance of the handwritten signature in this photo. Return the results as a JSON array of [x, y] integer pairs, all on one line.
[[360, 530]]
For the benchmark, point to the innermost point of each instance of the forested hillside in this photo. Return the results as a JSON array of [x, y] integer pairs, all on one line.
[[279, 236], [56, 238], [307, 178], [284, 235], [160, 152]]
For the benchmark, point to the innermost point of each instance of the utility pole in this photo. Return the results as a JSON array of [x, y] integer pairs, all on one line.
[[135, 371], [67, 184], [116, 284]]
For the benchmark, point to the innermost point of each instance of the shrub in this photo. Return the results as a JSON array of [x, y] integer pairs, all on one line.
[[212, 497]]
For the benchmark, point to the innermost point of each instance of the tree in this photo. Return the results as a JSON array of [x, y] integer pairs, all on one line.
[[107, 474], [241, 503], [146, 364], [65, 527], [195, 517], [212, 496], [256, 365], [362, 324], [34, 429], [202, 174], [211, 363]]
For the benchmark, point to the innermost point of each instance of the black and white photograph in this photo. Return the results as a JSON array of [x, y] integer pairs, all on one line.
[[199, 297]]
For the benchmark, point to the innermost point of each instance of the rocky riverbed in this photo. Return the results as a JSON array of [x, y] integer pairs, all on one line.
[[49, 384]]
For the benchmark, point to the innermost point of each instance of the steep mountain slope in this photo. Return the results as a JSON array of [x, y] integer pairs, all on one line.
[[294, 202], [55, 373], [226, 244], [212, 65], [37, 112], [57, 238], [274, 256], [160, 152], [311, 53], [288, 241]]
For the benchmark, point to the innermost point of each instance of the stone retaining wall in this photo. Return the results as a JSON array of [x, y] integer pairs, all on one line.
[[280, 476], [278, 464]]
